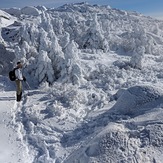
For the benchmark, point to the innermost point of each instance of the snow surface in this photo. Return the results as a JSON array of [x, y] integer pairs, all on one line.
[[6, 19], [96, 92], [30, 11]]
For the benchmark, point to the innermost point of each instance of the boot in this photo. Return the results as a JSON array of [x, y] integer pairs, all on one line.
[[18, 97]]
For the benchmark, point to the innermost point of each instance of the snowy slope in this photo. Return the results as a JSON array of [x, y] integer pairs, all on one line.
[[52, 129], [96, 84], [6, 19]]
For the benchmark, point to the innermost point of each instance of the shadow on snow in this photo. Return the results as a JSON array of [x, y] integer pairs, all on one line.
[[92, 126]]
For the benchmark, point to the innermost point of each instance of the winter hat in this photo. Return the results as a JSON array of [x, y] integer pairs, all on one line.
[[18, 62]]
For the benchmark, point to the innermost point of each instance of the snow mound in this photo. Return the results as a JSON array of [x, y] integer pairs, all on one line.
[[104, 143], [41, 8], [6, 19], [116, 143], [134, 138], [82, 7], [4, 14], [29, 10], [138, 99], [13, 11]]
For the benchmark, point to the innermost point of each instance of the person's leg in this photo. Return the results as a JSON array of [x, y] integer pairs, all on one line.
[[18, 89]]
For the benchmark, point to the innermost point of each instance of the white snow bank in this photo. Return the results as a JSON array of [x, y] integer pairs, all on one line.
[[138, 139], [50, 126], [138, 99], [100, 146], [11, 149], [6, 19], [29, 10], [13, 11], [122, 143], [4, 14]]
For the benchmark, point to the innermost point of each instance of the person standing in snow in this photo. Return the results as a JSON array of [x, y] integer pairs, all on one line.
[[19, 79]]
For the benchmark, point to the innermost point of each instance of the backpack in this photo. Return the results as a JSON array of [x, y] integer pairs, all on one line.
[[12, 75]]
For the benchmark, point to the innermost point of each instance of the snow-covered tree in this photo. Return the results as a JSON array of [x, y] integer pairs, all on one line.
[[73, 68], [45, 18], [130, 40], [44, 71], [137, 58], [18, 53], [44, 40], [56, 55], [94, 38], [65, 39], [57, 23]]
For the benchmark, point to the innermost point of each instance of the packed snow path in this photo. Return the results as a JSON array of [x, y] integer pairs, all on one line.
[[11, 149]]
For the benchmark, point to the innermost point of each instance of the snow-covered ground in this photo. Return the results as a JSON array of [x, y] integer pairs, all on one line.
[[96, 86], [55, 125], [11, 149]]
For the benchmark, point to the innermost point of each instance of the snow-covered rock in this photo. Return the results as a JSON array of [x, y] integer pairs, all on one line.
[[138, 99], [30, 10]]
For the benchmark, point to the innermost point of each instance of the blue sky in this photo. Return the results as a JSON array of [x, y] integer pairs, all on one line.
[[147, 7]]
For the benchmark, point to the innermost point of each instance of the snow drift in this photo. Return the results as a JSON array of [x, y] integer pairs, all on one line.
[[119, 139], [30, 11], [139, 97], [6, 19]]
